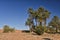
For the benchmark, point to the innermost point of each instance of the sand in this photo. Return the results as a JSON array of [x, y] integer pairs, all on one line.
[[18, 35]]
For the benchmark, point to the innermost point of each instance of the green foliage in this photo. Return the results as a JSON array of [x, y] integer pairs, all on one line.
[[7, 29], [45, 29], [55, 23], [12, 29], [39, 30], [40, 15], [51, 29]]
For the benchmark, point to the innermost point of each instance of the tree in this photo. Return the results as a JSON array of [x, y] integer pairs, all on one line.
[[40, 15], [54, 23], [59, 24], [45, 16], [30, 18], [29, 23], [36, 17]]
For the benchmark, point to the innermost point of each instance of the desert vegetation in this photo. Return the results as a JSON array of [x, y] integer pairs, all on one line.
[[37, 21], [7, 29], [38, 28]]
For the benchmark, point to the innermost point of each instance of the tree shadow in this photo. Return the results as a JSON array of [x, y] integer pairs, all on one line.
[[26, 31], [58, 32], [47, 39], [53, 32], [35, 34]]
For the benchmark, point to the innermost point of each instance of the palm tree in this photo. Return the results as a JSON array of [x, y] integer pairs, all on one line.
[[59, 24], [54, 23], [36, 17], [31, 13], [40, 15], [29, 23], [46, 15], [31, 17]]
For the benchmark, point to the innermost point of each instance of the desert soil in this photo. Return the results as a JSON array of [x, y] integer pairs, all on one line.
[[18, 35]]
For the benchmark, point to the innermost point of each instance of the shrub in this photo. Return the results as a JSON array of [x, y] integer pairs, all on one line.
[[6, 29], [51, 30], [12, 29], [45, 29], [39, 30]]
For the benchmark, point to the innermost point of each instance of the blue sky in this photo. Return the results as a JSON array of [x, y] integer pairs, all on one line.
[[14, 12]]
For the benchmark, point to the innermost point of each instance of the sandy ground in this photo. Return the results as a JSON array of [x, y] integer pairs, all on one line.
[[18, 35]]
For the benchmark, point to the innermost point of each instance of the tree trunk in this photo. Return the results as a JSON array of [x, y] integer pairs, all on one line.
[[30, 28], [36, 22], [56, 30], [40, 23], [45, 22]]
